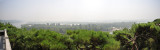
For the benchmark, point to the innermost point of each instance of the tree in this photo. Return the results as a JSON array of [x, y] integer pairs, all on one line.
[[85, 39], [140, 36], [157, 21]]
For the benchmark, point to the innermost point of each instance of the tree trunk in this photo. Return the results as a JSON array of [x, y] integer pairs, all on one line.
[[77, 47], [93, 47]]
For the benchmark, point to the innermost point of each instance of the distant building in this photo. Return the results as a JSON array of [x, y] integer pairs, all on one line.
[[114, 29], [29, 25]]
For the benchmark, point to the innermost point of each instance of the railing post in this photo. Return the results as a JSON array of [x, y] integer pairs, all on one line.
[[8, 46]]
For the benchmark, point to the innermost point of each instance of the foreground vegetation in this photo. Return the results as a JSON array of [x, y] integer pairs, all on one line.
[[143, 36]]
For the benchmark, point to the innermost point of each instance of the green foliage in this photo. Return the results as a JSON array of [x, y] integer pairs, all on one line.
[[33, 39], [124, 37], [38, 39], [142, 36], [93, 39], [157, 21]]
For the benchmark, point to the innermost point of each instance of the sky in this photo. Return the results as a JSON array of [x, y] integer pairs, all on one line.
[[80, 10]]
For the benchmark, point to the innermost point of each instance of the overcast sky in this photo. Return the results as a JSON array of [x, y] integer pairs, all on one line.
[[80, 10]]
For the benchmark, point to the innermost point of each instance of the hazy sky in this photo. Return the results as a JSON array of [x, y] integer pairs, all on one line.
[[80, 10]]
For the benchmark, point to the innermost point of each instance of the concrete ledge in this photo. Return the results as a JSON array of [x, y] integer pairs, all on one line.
[[8, 46]]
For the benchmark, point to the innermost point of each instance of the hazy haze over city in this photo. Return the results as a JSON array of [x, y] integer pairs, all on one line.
[[80, 10]]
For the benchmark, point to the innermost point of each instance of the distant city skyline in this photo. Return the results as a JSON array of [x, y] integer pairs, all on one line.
[[80, 10]]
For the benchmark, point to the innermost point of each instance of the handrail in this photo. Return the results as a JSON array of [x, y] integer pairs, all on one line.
[[8, 46]]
